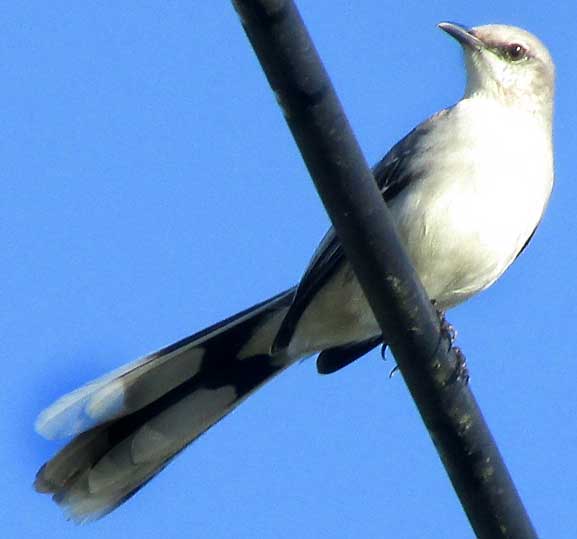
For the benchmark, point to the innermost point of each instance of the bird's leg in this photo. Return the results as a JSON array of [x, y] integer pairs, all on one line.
[[447, 330], [461, 372]]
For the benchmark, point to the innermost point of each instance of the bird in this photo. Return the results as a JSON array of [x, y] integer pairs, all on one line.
[[467, 189]]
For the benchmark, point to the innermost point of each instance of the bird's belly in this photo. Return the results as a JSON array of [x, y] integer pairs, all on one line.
[[456, 265], [462, 240]]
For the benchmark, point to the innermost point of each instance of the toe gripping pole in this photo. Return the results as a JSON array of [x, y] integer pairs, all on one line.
[[431, 369]]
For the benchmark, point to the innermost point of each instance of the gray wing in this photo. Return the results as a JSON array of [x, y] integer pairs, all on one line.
[[392, 174]]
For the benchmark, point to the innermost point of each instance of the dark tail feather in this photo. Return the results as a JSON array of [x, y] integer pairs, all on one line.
[[132, 422]]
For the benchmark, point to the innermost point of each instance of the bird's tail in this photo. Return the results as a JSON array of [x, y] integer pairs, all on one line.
[[132, 422]]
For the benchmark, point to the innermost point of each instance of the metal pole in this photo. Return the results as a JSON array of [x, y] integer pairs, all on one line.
[[408, 321]]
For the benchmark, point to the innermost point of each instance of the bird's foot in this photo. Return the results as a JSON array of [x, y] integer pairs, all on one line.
[[447, 330], [395, 369], [383, 351], [461, 372]]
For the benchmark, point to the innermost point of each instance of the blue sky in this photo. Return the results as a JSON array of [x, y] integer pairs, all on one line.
[[150, 187]]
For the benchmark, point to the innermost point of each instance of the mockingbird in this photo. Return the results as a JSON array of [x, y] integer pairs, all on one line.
[[467, 189]]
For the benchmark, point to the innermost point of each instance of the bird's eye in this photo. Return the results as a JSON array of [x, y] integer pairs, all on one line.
[[515, 52]]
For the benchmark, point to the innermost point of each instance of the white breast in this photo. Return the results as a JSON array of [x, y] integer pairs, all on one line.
[[488, 178]]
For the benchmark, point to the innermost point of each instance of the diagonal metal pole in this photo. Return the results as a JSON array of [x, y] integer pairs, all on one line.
[[364, 225]]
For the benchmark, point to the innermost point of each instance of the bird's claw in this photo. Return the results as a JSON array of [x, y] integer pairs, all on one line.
[[447, 330], [395, 369], [383, 351], [461, 372]]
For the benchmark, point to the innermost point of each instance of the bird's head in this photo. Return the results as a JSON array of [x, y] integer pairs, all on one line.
[[507, 63]]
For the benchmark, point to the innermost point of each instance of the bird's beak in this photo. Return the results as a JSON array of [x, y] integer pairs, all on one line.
[[463, 35]]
